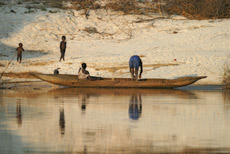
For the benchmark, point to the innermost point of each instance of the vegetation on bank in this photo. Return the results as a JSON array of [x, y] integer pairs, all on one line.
[[199, 9], [226, 75], [192, 9]]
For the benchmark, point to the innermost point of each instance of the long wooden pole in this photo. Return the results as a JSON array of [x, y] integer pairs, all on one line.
[[1, 75]]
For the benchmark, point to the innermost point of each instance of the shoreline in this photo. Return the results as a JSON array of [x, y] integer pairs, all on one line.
[[25, 80]]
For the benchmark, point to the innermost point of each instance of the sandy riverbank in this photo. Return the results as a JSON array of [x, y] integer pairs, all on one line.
[[171, 46]]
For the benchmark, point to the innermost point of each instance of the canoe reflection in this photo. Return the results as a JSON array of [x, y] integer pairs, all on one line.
[[106, 91], [73, 92], [135, 107]]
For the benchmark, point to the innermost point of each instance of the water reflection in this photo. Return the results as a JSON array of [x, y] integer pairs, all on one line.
[[226, 96], [135, 107], [62, 121], [19, 112], [114, 121], [83, 99]]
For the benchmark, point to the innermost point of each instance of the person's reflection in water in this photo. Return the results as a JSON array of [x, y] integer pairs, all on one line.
[[83, 101], [135, 107], [85, 149], [19, 113], [62, 121]]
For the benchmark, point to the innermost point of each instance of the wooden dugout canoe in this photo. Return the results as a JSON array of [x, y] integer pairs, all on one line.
[[99, 82]]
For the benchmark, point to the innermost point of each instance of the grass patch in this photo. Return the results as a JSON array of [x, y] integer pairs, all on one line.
[[69, 63], [43, 63]]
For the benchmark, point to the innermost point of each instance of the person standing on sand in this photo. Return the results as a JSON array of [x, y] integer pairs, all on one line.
[[134, 64], [19, 52], [63, 48]]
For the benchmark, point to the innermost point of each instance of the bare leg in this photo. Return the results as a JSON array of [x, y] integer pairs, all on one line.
[[136, 74], [61, 57], [132, 73], [19, 58]]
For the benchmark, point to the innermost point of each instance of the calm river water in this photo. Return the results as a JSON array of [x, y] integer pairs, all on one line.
[[114, 121]]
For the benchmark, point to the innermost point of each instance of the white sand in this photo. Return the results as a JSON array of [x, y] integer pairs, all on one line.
[[191, 47]]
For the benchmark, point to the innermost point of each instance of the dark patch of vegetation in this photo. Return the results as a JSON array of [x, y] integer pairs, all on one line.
[[226, 75], [43, 9], [126, 6], [19, 3], [47, 3], [53, 11], [192, 9], [199, 9], [85, 4], [1, 4], [91, 30], [31, 9]]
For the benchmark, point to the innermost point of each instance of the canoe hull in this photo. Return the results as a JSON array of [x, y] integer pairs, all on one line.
[[97, 82]]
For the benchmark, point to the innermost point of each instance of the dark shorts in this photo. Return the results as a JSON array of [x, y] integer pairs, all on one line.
[[19, 55], [63, 52], [134, 62]]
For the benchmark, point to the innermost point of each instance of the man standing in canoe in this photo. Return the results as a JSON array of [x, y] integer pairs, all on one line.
[[134, 64]]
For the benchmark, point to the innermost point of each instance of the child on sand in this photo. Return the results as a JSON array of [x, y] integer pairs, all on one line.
[[63, 48], [19, 52]]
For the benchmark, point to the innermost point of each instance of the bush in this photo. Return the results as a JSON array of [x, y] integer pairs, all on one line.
[[126, 6], [199, 9], [192, 9], [85, 4], [226, 75]]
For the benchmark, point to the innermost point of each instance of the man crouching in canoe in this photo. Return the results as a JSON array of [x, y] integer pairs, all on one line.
[[83, 73], [134, 64]]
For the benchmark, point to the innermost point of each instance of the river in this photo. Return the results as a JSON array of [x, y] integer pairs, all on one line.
[[72, 120]]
